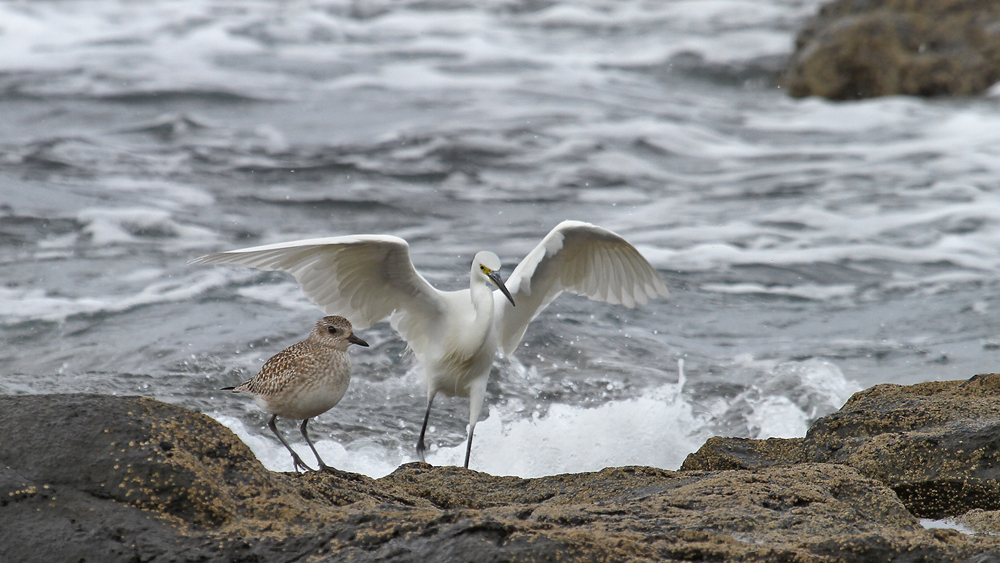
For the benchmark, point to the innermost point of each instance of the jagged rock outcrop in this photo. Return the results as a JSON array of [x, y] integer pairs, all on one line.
[[936, 444], [103, 478], [867, 48]]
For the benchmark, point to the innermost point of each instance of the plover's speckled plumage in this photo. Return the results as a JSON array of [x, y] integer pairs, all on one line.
[[306, 379]]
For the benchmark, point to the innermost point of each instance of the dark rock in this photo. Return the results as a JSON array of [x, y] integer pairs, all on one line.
[[101, 478], [720, 453], [867, 48], [937, 444], [135, 479]]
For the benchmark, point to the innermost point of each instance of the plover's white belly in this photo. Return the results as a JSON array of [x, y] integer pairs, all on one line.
[[309, 394]]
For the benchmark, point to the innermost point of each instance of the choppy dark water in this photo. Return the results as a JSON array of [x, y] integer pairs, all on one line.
[[811, 248]]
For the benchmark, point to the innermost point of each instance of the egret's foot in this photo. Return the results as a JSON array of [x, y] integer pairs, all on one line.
[[420, 451]]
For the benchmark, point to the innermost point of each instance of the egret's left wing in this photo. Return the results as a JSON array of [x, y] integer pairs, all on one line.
[[580, 258]]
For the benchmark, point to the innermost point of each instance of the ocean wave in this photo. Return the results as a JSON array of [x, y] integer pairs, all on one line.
[[779, 400], [114, 52], [657, 429], [107, 226], [961, 229], [806, 291], [24, 304]]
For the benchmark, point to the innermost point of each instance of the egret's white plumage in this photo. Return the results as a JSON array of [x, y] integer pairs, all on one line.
[[455, 334]]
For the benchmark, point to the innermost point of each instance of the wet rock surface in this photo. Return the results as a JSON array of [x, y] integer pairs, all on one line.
[[104, 478], [867, 48], [937, 444]]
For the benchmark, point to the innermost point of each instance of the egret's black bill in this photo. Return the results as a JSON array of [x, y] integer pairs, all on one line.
[[495, 276]]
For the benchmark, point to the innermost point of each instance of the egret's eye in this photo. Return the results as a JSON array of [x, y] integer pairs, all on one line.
[[485, 270], [331, 329]]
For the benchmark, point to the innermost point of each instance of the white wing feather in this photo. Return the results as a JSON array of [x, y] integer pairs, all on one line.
[[364, 278], [580, 258]]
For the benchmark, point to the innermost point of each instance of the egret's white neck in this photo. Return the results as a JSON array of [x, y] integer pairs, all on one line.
[[481, 295], [474, 333]]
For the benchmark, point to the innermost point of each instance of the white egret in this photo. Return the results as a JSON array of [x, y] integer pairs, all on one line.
[[455, 334]]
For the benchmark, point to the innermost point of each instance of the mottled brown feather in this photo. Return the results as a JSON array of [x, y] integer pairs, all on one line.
[[307, 376]]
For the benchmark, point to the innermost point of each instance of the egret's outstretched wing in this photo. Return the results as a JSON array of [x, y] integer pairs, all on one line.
[[580, 258], [364, 278]]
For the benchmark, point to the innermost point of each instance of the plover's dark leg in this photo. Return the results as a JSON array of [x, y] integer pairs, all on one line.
[[423, 429], [295, 457], [305, 434]]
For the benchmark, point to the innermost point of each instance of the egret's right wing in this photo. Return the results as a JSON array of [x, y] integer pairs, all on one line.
[[580, 258], [364, 278]]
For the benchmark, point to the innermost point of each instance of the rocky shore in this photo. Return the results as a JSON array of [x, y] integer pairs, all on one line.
[[108, 479], [858, 49]]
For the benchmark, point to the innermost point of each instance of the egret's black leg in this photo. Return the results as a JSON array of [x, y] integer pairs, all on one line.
[[295, 457], [322, 466], [468, 449], [423, 429]]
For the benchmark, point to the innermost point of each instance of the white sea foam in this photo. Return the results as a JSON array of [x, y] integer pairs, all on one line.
[[805, 291], [964, 231], [358, 457], [658, 429], [107, 226], [166, 51], [948, 524], [816, 114], [956, 250], [160, 194], [19, 304], [777, 417], [288, 295], [95, 37], [720, 31], [782, 399]]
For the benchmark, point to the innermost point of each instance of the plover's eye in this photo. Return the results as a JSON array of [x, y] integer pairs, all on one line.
[[331, 329]]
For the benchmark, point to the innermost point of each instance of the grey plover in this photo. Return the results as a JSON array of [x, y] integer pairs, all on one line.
[[306, 379]]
